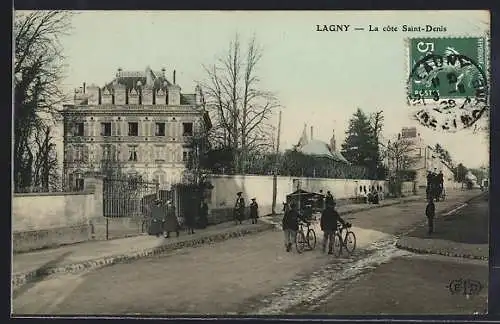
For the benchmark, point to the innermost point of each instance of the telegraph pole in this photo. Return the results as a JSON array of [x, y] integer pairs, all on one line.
[[275, 175]]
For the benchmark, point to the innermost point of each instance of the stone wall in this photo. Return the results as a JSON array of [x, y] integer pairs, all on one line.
[[223, 195], [41, 220]]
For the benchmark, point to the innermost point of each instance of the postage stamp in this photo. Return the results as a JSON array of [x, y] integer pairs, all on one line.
[[448, 81]]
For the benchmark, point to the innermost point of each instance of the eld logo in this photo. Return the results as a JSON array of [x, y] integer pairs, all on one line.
[[465, 287]]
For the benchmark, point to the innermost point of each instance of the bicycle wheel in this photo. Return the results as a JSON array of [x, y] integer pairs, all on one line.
[[350, 242], [337, 244], [311, 239], [300, 242]]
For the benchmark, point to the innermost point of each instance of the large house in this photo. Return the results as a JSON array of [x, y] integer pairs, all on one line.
[[425, 158], [139, 124]]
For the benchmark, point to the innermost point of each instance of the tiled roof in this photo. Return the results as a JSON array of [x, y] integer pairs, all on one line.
[[188, 99]]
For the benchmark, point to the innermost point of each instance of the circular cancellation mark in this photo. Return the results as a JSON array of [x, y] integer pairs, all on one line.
[[449, 92]]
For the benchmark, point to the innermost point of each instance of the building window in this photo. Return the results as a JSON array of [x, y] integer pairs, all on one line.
[[106, 153], [133, 129], [105, 129], [132, 153], [78, 129], [78, 157], [160, 129], [79, 184], [159, 154], [187, 129], [186, 156]]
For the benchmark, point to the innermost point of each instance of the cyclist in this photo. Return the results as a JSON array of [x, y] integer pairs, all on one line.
[[329, 220], [291, 225]]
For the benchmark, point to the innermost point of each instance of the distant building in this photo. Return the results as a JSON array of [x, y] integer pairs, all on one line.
[[319, 148], [425, 158], [139, 123]]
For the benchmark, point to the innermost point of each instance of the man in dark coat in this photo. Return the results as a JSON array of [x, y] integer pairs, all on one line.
[[290, 225], [329, 219], [254, 211], [190, 217], [171, 224], [239, 208], [157, 218], [430, 212], [329, 199]]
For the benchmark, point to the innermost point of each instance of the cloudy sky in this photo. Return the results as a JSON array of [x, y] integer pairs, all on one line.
[[320, 78]]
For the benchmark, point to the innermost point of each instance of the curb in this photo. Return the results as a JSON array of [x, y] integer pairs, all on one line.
[[401, 246], [18, 280], [443, 253]]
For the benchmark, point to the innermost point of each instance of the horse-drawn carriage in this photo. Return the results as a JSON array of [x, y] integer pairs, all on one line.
[[308, 203]]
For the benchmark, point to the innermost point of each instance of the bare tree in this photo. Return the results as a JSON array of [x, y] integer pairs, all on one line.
[[399, 154], [400, 158], [38, 69], [241, 110], [45, 167]]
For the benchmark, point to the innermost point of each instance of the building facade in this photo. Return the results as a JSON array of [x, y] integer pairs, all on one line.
[[139, 124], [423, 156]]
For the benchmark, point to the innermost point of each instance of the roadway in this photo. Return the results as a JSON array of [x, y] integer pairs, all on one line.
[[252, 274]]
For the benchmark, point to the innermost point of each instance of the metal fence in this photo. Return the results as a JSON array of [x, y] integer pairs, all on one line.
[[126, 205]]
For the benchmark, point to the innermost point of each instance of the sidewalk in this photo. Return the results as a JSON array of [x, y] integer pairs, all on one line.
[[84, 256], [73, 258], [458, 232]]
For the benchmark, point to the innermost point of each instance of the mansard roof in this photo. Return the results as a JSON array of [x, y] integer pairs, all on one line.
[[130, 79]]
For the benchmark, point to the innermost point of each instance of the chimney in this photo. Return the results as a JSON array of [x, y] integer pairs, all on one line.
[[84, 87], [312, 133], [174, 77]]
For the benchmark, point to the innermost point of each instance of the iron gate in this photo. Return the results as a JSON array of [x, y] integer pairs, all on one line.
[[126, 205]]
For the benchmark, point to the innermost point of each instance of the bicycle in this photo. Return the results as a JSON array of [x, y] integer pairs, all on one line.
[[344, 237], [305, 238]]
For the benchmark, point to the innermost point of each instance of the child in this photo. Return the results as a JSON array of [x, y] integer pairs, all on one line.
[[430, 212], [254, 211]]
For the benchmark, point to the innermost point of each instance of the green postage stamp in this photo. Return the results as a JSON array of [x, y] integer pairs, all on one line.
[[448, 81]]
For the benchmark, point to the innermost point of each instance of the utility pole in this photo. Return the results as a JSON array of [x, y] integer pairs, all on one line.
[[275, 176]]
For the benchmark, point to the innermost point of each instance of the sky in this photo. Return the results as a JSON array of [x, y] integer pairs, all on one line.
[[320, 78]]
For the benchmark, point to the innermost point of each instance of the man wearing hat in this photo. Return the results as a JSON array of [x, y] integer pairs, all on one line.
[[239, 208], [254, 211]]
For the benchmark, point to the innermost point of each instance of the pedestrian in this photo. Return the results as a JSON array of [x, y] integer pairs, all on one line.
[[239, 208], [157, 218], [190, 217], [329, 220], [290, 225], [254, 211], [171, 224], [430, 211], [203, 214], [329, 198], [328, 226]]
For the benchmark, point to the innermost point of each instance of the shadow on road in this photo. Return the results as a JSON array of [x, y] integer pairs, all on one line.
[[468, 225], [40, 275]]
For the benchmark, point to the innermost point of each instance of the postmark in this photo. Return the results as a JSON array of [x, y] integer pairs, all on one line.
[[448, 87]]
